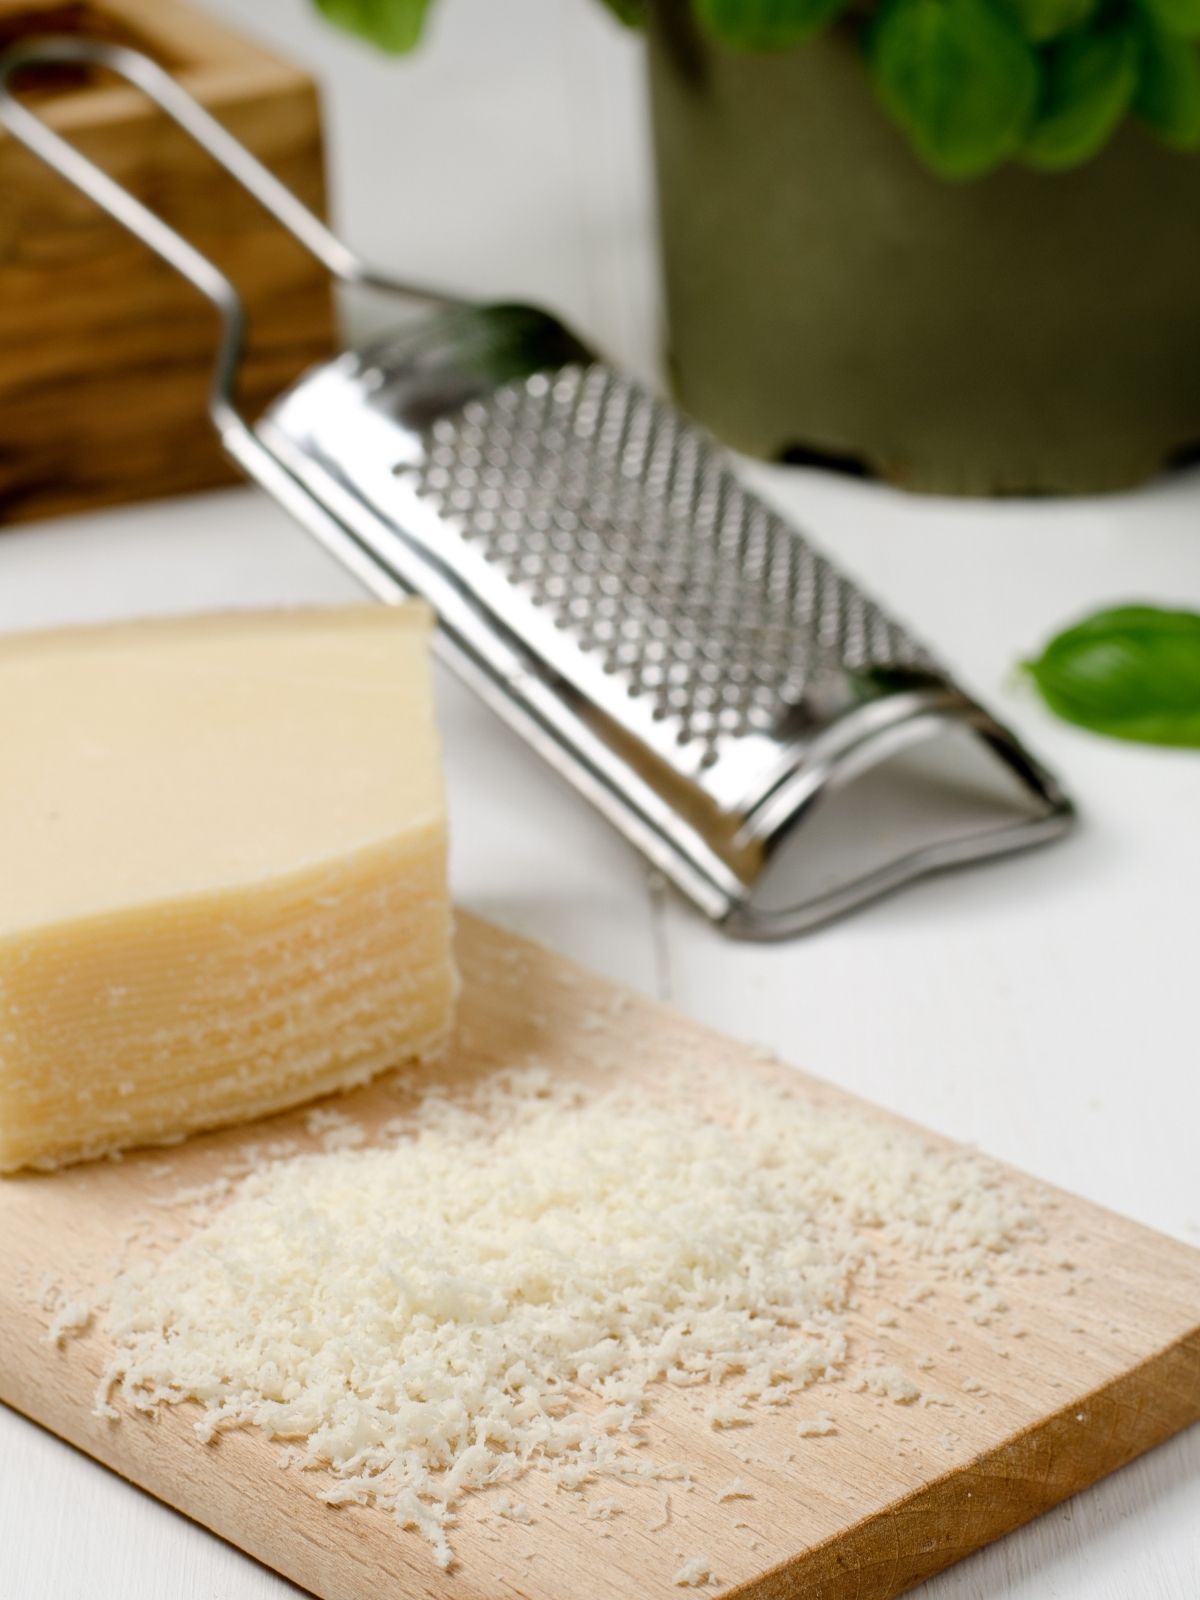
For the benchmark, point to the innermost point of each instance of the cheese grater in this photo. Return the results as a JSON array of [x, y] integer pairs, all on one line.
[[601, 576]]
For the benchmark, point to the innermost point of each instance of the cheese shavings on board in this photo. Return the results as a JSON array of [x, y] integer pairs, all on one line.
[[505, 1282]]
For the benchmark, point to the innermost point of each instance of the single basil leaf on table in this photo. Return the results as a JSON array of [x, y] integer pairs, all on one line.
[[393, 25], [1040, 20], [958, 78], [1168, 95], [1132, 672], [765, 24], [1090, 77]]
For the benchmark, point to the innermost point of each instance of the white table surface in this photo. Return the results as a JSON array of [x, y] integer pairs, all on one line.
[[1045, 1008]]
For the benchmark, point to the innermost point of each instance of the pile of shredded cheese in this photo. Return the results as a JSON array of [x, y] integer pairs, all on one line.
[[508, 1277]]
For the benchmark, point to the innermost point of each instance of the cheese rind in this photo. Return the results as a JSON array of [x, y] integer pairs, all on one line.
[[224, 859]]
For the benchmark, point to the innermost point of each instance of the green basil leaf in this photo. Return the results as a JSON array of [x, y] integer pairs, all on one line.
[[1088, 83], [1181, 17], [1168, 95], [765, 24], [1045, 19], [958, 78], [631, 12], [393, 25], [1132, 672]]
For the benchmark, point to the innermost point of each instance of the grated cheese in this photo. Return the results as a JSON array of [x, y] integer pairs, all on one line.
[[816, 1427], [721, 1414], [73, 1316], [692, 1574], [507, 1279], [891, 1383]]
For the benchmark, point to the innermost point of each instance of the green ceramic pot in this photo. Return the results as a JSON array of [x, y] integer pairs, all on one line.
[[829, 298]]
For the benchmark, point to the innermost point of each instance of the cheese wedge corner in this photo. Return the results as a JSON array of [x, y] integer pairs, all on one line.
[[222, 872]]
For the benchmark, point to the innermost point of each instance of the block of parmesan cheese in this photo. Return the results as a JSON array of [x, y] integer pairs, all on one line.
[[222, 872]]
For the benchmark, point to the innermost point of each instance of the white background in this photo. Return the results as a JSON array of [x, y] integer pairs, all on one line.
[[1046, 1007]]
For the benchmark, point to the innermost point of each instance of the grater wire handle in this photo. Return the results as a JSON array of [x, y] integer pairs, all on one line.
[[144, 73], [238, 438]]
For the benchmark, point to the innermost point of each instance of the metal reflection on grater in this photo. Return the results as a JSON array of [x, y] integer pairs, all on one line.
[[599, 503]]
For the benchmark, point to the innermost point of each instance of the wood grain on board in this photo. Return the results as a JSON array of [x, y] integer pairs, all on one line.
[[1095, 1359], [105, 351]]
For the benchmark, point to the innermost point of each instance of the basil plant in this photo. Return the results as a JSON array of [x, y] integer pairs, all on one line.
[[972, 83]]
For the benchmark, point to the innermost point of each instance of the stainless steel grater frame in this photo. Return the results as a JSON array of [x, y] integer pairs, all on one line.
[[602, 578]]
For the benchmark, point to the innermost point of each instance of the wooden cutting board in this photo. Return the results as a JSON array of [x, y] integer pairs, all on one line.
[[1095, 1359]]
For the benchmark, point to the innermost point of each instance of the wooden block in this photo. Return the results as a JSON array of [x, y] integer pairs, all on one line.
[[1095, 1360], [105, 352]]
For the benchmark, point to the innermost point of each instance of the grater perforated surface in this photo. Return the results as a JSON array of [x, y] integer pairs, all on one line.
[[608, 510]]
